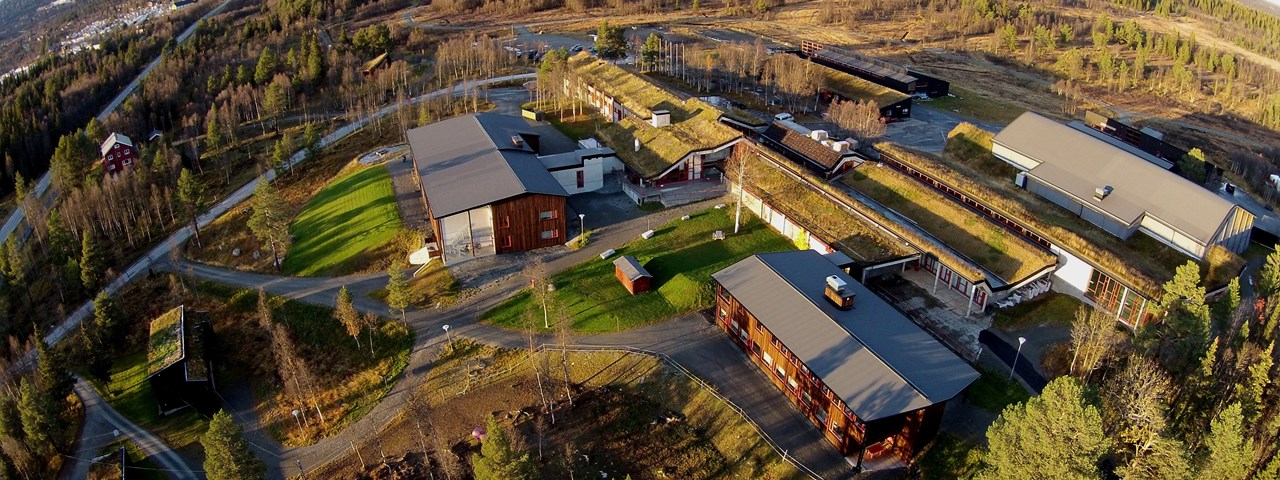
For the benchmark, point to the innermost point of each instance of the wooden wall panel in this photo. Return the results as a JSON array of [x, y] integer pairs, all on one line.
[[517, 226]]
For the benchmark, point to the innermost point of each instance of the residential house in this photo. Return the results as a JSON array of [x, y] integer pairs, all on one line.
[[1110, 185], [118, 153], [497, 183], [873, 381], [178, 365]]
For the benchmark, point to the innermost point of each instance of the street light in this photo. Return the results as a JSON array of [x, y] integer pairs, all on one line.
[[582, 225], [295, 418], [446, 333], [1021, 340]]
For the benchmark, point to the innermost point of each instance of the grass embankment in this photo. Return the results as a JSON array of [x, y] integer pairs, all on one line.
[[347, 226], [816, 212], [994, 390], [129, 392], [948, 458], [434, 287], [230, 231], [991, 246], [681, 256], [1142, 262], [611, 424], [970, 104], [1051, 308]]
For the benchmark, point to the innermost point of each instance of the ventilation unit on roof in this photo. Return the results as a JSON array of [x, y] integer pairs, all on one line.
[[517, 140], [839, 293], [1102, 192], [661, 118]]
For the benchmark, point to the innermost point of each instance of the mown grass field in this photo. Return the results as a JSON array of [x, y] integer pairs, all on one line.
[[681, 256], [986, 243], [345, 223]]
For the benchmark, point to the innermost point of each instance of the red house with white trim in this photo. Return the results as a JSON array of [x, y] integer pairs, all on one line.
[[118, 153]]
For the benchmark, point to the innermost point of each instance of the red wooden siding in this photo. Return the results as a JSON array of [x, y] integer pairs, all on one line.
[[518, 226]]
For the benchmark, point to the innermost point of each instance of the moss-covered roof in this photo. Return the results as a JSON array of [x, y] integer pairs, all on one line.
[[852, 87], [694, 124], [165, 346]]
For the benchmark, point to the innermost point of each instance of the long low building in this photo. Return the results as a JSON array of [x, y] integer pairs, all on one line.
[[872, 380], [1117, 190]]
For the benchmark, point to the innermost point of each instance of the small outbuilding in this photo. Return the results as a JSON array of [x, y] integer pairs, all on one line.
[[632, 274], [178, 366]]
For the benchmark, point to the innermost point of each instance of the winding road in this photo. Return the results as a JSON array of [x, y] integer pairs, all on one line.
[[103, 425]]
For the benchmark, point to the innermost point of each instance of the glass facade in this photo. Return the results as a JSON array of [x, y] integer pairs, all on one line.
[[1114, 297]]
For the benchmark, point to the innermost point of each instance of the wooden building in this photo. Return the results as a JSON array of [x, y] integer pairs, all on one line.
[[873, 381], [493, 183], [178, 365], [632, 274]]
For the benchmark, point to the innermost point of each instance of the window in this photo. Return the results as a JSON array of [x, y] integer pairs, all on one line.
[[782, 369], [505, 222], [550, 234], [791, 382], [804, 396], [835, 425], [116, 146], [111, 156], [742, 333], [582, 179], [547, 215], [1111, 296], [128, 161], [506, 241], [755, 348], [768, 359]]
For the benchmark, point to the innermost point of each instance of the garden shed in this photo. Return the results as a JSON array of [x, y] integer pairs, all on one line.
[[632, 274]]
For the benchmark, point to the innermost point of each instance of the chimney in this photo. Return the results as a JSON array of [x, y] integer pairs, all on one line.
[[517, 141], [637, 144], [660, 118], [1102, 192], [839, 293]]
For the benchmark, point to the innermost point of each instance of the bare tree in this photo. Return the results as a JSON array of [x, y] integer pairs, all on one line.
[[859, 119], [1134, 403], [345, 312], [1093, 339], [564, 337]]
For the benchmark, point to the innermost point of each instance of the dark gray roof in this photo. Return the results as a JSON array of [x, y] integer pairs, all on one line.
[[876, 360], [631, 268], [572, 159], [473, 160], [1077, 163], [1116, 142]]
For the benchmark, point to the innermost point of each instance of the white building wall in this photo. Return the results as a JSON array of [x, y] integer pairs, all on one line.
[[1072, 275], [1013, 158], [594, 172]]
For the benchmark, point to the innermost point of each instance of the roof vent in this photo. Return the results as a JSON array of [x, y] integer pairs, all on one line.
[[661, 118], [1102, 192], [517, 140], [839, 293]]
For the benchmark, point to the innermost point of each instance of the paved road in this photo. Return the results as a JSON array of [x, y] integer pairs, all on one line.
[[42, 185], [101, 422], [688, 340], [1006, 352]]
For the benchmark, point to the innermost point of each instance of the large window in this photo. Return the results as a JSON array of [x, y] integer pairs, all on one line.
[[1113, 296], [547, 215], [550, 234]]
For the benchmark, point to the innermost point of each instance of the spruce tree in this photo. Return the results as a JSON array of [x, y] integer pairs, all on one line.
[[266, 67], [92, 263], [499, 460], [1230, 453], [269, 223], [37, 429], [227, 454]]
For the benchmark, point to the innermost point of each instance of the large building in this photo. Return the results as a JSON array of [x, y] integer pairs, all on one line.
[[872, 380], [118, 153], [1117, 190], [497, 183]]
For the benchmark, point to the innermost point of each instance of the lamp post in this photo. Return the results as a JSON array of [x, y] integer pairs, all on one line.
[[296, 419], [582, 227], [1021, 340], [546, 291], [448, 337]]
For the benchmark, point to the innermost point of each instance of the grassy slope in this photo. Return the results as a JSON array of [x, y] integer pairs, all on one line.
[[343, 224], [994, 390], [129, 393], [1052, 308], [991, 246], [948, 458], [681, 257]]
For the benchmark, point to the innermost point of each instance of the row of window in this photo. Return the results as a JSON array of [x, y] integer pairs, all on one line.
[[1113, 296], [505, 221]]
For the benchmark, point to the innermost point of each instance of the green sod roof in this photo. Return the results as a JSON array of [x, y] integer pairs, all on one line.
[[852, 87], [695, 124], [165, 347]]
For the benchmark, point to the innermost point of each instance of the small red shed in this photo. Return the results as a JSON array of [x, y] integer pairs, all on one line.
[[632, 275]]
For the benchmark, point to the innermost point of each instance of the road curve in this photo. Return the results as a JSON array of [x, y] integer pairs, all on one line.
[[101, 422]]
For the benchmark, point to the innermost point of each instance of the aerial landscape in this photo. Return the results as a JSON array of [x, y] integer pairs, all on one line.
[[640, 239]]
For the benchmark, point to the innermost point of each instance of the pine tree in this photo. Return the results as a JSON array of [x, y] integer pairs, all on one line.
[[266, 67], [96, 131], [1165, 459], [10, 419], [213, 137], [649, 52], [345, 312], [227, 454], [499, 460], [52, 377], [1269, 275], [36, 428], [269, 223], [191, 196], [1230, 453], [92, 262], [611, 42], [1027, 440], [311, 140], [398, 295], [1250, 390]]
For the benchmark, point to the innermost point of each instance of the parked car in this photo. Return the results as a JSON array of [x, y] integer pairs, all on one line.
[[576, 48], [784, 117]]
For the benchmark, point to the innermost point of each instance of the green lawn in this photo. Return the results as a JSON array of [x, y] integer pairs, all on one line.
[[130, 394], [994, 390], [1051, 308], [681, 256], [344, 223], [948, 458], [971, 104]]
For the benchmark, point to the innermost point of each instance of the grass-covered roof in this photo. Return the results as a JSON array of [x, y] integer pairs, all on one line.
[[849, 86], [165, 345], [694, 124]]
